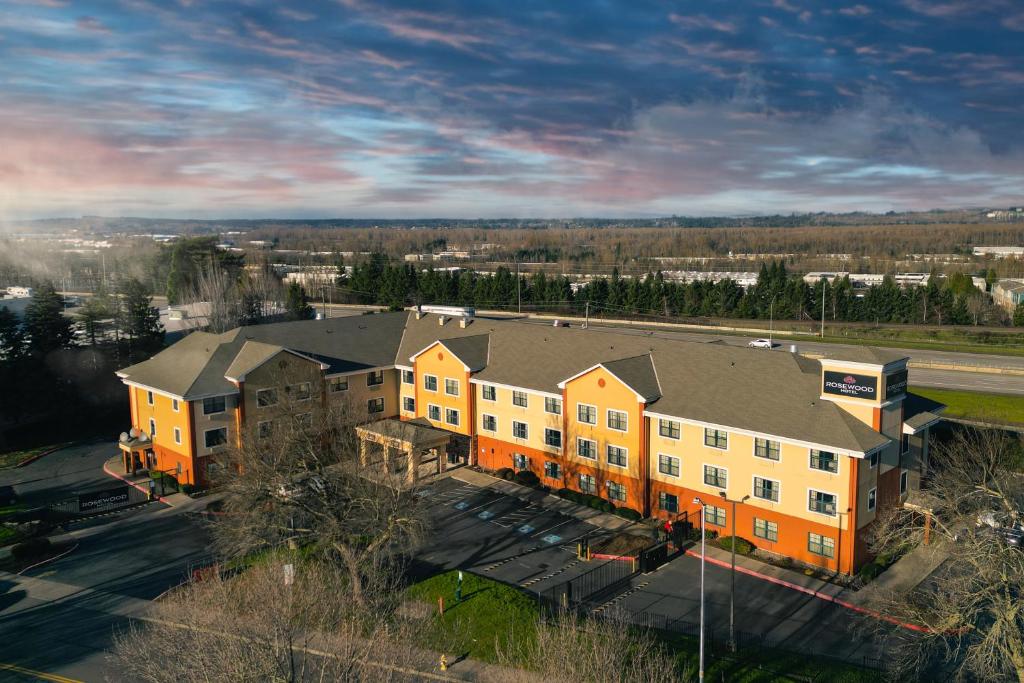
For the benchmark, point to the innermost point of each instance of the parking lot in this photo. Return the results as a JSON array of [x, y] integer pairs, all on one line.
[[500, 536]]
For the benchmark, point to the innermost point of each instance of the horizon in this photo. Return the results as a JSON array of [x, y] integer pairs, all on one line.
[[226, 110]]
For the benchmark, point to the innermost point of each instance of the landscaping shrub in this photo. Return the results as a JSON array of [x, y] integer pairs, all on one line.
[[30, 549], [605, 506], [870, 571], [527, 478], [628, 513], [506, 473], [187, 489], [743, 546]]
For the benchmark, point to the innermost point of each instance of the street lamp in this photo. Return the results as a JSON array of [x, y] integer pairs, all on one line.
[[771, 320], [700, 674], [732, 594]]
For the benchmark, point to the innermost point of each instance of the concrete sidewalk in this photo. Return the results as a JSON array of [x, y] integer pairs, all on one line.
[[548, 501], [752, 566], [142, 482], [904, 575]]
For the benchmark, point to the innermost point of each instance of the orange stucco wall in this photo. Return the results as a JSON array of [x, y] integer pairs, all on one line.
[[170, 455], [441, 363]]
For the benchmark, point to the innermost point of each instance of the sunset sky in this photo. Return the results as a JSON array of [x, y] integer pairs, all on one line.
[[352, 108]]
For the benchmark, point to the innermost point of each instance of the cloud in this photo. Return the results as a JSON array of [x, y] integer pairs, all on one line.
[[91, 24], [856, 11]]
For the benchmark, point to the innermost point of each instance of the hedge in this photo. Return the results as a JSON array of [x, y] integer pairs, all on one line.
[[527, 478], [629, 513], [743, 546], [506, 473]]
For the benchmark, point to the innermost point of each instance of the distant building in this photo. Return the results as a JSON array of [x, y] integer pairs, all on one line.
[[743, 279], [865, 280], [19, 292], [312, 276], [1000, 252], [1008, 293], [979, 282]]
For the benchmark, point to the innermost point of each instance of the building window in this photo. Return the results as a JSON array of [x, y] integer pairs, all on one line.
[[769, 531], [587, 483], [714, 515], [668, 429], [716, 438], [616, 491], [767, 449], [213, 405], [375, 378], [177, 435], [905, 444], [715, 476], [825, 503], [616, 456], [489, 423], [821, 545], [265, 429], [149, 397], [174, 405], [375, 405], [824, 461], [552, 470], [434, 413], [302, 391], [520, 430], [552, 405], [408, 377], [520, 461], [617, 420], [266, 398], [451, 416], [766, 489], [451, 386], [668, 464], [305, 420], [903, 482], [152, 428], [489, 393], [409, 404], [668, 502], [520, 399], [586, 414], [872, 498], [215, 437], [553, 437], [873, 459], [336, 384], [430, 382], [585, 448]]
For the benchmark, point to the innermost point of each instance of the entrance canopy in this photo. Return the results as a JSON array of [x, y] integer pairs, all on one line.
[[408, 437]]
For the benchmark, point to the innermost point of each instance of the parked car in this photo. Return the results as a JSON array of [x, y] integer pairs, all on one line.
[[1009, 531], [761, 344]]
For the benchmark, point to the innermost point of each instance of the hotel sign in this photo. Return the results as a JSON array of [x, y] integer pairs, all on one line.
[[895, 384], [107, 498], [849, 384]]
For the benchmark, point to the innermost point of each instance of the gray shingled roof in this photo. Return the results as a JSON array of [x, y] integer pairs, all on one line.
[[866, 354], [637, 372], [470, 350]]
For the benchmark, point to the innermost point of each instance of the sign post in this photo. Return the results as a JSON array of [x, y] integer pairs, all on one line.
[[458, 588]]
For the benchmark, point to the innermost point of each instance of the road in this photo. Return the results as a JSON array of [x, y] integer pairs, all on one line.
[[61, 474]]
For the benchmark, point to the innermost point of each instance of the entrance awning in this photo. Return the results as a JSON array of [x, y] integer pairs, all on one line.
[[404, 435]]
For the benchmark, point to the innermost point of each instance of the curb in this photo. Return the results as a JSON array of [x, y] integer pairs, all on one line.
[[37, 456], [115, 475], [817, 594], [49, 559]]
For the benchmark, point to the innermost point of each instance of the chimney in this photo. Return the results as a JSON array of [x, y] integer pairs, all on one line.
[[441, 320], [464, 322]]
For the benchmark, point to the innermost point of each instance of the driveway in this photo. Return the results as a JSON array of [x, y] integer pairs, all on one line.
[[61, 474]]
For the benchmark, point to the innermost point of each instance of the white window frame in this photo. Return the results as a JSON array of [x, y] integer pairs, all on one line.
[[661, 499], [516, 394], [333, 382], [608, 419], [717, 467], [526, 430], [259, 428], [383, 405], [607, 455], [555, 431], [767, 441], [261, 391], [904, 482], [520, 461], [177, 435], [678, 425], [206, 441], [309, 397], [717, 431], [608, 484], [753, 529], [586, 405], [823, 538], [440, 414], [753, 488], [593, 484], [405, 407], [458, 387], [483, 423], [679, 465], [215, 412], [590, 441], [483, 392], [810, 455], [548, 465], [725, 516], [827, 493], [426, 378], [872, 498], [175, 406], [371, 375], [458, 417], [557, 401], [411, 375]]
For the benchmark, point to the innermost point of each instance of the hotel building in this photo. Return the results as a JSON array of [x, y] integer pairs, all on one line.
[[813, 449]]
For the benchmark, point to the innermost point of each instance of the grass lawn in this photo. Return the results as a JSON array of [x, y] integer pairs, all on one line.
[[976, 405], [7, 535], [492, 611], [15, 458]]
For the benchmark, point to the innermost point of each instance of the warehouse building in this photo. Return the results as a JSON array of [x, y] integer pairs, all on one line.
[[813, 449]]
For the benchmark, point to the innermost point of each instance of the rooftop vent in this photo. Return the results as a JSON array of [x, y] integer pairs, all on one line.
[[464, 322], [441, 320]]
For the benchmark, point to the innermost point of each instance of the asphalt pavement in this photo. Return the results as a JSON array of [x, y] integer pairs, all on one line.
[[61, 474]]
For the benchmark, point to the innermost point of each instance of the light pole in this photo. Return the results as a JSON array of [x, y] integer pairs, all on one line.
[[700, 674], [771, 320], [732, 593]]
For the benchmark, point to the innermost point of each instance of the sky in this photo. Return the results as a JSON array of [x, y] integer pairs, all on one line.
[[488, 108]]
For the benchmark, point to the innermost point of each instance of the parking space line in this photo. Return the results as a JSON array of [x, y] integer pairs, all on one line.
[[544, 531]]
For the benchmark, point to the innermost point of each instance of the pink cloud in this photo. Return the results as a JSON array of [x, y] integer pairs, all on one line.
[[702, 21], [91, 24]]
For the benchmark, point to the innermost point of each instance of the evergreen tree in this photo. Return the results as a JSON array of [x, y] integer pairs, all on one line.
[[12, 338], [138, 319], [45, 324], [92, 314], [1018, 315], [297, 304]]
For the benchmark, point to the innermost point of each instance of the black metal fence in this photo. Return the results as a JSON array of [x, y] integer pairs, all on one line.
[[589, 587], [99, 501]]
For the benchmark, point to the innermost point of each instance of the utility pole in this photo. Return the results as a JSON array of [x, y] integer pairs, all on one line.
[[586, 320], [732, 594], [824, 286], [519, 295]]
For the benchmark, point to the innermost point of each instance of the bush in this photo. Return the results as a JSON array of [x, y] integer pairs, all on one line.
[[506, 473], [870, 571], [629, 513], [187, 489], [743, 546], [527, 478], [30, 549], [605, 506]]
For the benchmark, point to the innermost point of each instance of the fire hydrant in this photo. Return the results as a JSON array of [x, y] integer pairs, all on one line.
[[444, 663]]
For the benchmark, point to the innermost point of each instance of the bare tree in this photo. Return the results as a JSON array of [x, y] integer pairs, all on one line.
[[271, 624], [569, 649], [972, 506], [302, 483], [216, 290], [262, 296]]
